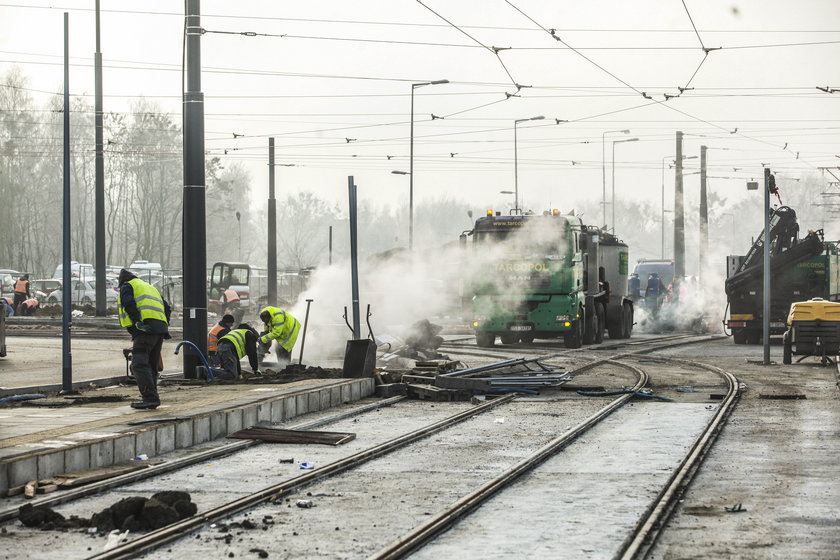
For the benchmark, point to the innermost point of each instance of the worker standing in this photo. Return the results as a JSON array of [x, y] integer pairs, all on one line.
[[21, 291], [145, 314], [234, 346], [219, 330], [281, 326]]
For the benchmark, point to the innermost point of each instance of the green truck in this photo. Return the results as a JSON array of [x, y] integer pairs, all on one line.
[[546, 276]]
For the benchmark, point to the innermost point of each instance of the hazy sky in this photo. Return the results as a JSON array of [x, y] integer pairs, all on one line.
[[319, 73]]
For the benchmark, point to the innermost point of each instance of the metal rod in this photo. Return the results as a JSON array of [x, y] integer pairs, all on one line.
[[305, 322], [271, 261], [354, 259], [99, 187], [66, 293], [766, 310]]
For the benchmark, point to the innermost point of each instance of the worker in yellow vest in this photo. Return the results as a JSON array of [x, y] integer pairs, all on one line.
[[235, 345], [281, 326], [145, 314]]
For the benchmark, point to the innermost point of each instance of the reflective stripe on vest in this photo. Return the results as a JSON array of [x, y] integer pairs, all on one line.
[[231, 296], [237, 337], [213, 337], [21, 286], [148, 300]]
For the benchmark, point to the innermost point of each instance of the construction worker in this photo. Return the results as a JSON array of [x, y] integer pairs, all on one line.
[[219, 330], [234, 346], [145, 314], [7, 304], [281, 326], [21, 291], [230, 304], [28, 306]]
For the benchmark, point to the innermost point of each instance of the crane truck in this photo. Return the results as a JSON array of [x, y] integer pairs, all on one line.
[[547, 276]]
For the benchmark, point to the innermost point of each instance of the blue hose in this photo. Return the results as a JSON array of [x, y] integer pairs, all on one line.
[[210, 375]]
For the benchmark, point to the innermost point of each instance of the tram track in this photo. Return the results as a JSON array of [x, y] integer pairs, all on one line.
[[269, 494]]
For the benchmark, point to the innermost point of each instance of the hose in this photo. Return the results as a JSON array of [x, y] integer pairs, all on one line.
[[207, 367]]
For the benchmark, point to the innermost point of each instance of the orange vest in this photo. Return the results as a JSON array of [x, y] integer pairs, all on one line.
[[213, 337], [21, 286]]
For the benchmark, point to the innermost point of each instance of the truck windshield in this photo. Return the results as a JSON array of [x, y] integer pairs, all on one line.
[[536, 239]]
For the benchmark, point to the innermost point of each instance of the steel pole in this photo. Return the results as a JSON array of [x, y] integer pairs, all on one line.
[[271, 259], [515, 171], [662, 241], [99, 188], [305, 323], [354, 259], [604, 179], [612, 197], [66, 288], [766, 309], [194, 233], [704, 218], [679, 218]]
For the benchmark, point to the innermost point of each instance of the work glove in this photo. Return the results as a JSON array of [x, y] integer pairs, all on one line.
[[140, 326]]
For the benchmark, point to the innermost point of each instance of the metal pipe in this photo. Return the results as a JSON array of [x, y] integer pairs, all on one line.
[[354, 259], [305, 322], [66, 293]]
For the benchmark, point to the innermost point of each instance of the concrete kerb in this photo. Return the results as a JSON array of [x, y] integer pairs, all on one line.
[[122, 443], [54, 388]]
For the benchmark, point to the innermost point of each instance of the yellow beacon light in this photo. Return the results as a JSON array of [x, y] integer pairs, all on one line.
[[490, 212]]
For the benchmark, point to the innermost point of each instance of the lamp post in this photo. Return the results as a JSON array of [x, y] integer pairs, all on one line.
[[662, 250], [516, 161], [410, 231], [614, 142], [411, 162], [507, 192], [604, 173]]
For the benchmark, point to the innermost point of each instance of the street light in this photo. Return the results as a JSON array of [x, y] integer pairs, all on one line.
[[411, 163], [516, 161], [662, 250], [614, 142], [604, 173], [507, 192]]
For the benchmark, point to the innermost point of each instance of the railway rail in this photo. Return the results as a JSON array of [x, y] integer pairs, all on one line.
[[643, 534]]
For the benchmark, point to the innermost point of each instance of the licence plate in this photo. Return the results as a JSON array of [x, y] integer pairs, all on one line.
[[777, 324], [520, 328]]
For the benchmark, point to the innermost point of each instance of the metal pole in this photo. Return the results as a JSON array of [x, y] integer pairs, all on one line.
[[766, 309], [604, 178], [99, 188], [354, 259], [66, 290], [662, 242], [271, 261], [704, 217], [612, 198], [305, 323], [194, 232], [679, 218], [410, 181], [515, 170], [330, 262]]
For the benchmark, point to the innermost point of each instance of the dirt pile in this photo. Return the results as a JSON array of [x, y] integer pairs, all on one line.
[[135, 514]]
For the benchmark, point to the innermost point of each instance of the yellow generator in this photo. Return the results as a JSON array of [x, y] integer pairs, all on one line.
[[813, 329]]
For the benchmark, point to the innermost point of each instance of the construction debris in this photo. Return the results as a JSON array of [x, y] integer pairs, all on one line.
[[274, 435], [79, 478]]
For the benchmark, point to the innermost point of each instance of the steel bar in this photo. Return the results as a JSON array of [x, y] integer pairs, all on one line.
[[155, 539]]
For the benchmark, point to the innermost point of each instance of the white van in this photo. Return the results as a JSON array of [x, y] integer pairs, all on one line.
[[81, 271], [145, 270]]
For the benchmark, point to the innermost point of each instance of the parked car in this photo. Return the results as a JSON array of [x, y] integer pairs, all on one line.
[[41, 289], [8, 277], [83, 293]]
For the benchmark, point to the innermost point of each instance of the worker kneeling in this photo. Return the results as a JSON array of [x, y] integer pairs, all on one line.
[[234, 346], [281, 326]]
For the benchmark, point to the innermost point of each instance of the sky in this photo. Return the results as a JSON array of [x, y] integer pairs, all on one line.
[[331, 81]]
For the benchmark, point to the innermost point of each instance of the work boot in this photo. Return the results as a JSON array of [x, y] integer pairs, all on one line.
[[145, 405]]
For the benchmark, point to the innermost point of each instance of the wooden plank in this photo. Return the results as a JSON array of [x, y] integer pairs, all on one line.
[[30, 488], [274, 435], [69, 480], [47, 488]]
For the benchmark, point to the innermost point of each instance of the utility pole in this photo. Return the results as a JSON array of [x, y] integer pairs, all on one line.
[[704, 218], [769, 181], [354, 258], [66, 356], [194, 233], [99, 188], [271, 261], [679, 218]]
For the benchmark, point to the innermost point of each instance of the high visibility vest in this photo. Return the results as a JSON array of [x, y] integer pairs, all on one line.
[[21, 286], [237, 337], [213, 337], [231, 296], [149, 303], [282, 327]]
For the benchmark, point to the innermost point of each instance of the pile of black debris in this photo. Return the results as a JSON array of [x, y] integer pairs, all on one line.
[[135, 514]]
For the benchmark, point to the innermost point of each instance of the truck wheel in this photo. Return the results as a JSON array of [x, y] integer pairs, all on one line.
[[627, 321], [485, 339], [509, 338], [755, 337], [574, 338], [615, 322], [601, 316], [787, 350], [526, 338], [590, 325], [739, 336]]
